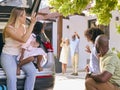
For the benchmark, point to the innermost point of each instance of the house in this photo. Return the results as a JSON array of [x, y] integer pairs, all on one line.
[[78, 23]]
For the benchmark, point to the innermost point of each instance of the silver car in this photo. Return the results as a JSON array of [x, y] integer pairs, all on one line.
[[44, 79]]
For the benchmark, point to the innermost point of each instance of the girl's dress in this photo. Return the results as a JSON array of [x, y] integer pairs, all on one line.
[[64, 56], [30, 50]]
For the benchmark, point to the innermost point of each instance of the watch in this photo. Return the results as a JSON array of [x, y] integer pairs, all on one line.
[[90, 73]]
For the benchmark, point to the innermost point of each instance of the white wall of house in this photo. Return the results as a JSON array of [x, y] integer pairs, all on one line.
[[76, 24], [79, 24], [114, 36]]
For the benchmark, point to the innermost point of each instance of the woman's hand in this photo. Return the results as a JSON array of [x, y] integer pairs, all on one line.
[[88, 49], [33, 18]]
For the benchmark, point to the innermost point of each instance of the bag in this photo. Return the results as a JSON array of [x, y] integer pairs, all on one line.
[[3, 87], [48, 46]]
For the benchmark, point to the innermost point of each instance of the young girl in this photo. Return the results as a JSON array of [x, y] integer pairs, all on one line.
[[46, 45], [31, 50], [64, 54]]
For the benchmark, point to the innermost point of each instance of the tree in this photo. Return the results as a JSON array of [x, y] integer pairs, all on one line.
[[101, 8]]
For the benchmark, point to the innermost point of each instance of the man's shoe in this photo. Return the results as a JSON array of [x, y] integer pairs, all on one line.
[[75, 74]]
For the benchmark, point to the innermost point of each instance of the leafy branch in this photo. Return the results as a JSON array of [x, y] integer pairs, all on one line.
[[102, 8]]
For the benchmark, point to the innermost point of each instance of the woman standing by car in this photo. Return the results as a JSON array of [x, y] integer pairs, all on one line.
[[14, 35]]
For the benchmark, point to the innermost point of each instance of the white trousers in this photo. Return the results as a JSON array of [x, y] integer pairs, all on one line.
[[75, 61]]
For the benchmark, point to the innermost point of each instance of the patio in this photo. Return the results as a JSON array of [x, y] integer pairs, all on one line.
[[69, 82]]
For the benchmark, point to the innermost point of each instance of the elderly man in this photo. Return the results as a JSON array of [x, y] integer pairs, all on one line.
[[109, 78], [74, 49]]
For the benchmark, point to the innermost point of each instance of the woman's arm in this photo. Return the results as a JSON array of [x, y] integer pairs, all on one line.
[[30, 28], [62, 43], [10, 32]]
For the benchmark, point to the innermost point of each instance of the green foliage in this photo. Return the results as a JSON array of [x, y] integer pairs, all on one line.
[[116, 52], [69, 7], [102, 8], [118, 28]]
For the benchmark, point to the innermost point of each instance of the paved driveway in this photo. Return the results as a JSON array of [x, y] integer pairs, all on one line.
[[69, 82]]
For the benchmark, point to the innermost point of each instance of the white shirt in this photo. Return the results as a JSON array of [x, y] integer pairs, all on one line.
[[74, 46], [94, 62]]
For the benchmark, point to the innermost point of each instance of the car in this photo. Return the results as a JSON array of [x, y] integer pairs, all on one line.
[[44, 79]]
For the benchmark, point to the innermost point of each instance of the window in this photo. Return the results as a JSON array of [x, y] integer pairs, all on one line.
[[92, 23]]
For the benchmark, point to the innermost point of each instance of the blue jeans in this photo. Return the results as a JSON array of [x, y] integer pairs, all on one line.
[[9, 64]]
